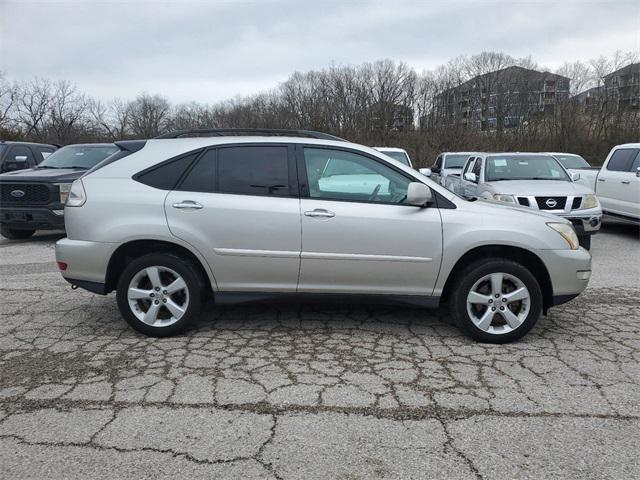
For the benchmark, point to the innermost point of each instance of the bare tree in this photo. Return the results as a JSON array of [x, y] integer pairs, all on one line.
[[148, 115], [34, 103]]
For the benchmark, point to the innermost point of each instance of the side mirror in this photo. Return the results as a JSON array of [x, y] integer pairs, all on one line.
[[20, 163], [575, 176], [471, 177], [418, 194], [426, 172]]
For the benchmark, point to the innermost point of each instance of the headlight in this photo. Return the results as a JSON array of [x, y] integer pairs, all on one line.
[[590, 201], [64, 191], [567, 232], [504, 198], [77, 195]]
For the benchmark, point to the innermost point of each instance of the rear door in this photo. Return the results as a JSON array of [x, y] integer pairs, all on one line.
[[618, 187], [358, 236], [239, 206]]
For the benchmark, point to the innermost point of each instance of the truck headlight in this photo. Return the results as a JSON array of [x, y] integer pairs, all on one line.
[[590, 201], [64, 191], [77, 195], [504, 198], [567, 232]]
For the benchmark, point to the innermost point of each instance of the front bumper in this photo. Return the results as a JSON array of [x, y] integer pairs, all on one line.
[[87, 262], [585, 224], [569, 271], [32, 218]]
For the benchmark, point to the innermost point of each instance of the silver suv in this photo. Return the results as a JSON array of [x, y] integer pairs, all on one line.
[[245, 215]]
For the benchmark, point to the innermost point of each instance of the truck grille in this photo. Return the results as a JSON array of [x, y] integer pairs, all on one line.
[[24, 193], [551, 203]]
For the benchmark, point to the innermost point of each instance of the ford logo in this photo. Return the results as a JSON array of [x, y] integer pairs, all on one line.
[[17, 193], [551, 203]]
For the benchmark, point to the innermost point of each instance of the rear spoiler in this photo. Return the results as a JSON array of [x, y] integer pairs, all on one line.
[[130, 146], [127, 147]]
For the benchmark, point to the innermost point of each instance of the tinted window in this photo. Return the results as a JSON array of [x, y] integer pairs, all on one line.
[[339, 175], [636, 163], [19, 157], [622, 159], [166, 176], [523, 167], [261, 170], [201, 178]]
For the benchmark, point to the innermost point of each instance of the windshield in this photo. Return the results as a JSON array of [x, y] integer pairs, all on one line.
[[572, 161], [78, 156], [524, 167], [455, 161], [399, 156]]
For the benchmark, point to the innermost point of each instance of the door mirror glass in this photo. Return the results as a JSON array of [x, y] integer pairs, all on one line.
[[418, 194], [575, 176], [470, 176], [426, 172]]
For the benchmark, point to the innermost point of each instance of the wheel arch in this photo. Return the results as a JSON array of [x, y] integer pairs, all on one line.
[[508, 252], [136, 248]]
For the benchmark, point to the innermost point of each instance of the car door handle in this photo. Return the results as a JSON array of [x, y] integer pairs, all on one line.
[[626, 182], [187, 205], [601, 179], [320, 212]]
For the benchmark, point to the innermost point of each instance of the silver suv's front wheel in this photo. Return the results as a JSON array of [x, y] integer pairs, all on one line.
[[160, 294], [496, 300]]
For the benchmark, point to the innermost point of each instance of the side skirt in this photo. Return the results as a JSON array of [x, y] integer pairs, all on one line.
[[232, 298]]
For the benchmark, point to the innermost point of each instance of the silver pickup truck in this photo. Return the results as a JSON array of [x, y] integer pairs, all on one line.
[[616, 183], [531, 180]]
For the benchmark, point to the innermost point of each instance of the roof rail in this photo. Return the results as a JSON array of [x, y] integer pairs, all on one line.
[[251, 131]]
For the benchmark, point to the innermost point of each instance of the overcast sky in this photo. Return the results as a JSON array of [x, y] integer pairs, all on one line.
[[213, 50]]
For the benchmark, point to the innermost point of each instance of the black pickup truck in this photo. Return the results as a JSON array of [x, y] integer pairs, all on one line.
[[33, 199]]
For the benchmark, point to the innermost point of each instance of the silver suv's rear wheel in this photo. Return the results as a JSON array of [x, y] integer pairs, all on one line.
[[496, 300], [160, 294]]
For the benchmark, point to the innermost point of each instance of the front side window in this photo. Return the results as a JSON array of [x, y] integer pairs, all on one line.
[[477, 167], [469, 166], [340, 175], [622, 159], [254, 170], [572, 161], [523, 167], [19, 157]]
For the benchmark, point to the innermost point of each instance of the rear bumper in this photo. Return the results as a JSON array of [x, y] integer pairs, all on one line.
[[33, 218], [87, 262], [567, 270]]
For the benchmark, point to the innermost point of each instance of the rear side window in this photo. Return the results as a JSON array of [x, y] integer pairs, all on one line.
[[166, 175], [201, 178], [622, 159], [254, 170]]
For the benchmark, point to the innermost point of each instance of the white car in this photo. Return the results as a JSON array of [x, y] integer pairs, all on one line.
[[398, 154], [617, 183], [447, 163]]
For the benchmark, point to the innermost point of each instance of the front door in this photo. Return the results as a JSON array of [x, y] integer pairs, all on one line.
[[358, 235], [239, 207]]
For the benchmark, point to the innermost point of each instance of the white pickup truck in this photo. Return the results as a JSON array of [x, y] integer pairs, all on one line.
[[532, 180], [616, 183], [447, 163]]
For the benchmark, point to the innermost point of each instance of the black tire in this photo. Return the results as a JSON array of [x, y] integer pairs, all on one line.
[[585, 241], [471, 274], [16, 234], [194, 286]]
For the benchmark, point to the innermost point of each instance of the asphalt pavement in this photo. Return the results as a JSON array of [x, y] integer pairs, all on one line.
[[316, 391]]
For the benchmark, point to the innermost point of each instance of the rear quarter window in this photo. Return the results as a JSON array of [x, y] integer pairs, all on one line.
[[166, 175]]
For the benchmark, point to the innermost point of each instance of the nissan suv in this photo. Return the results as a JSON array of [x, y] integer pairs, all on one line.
[[245, 215]]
